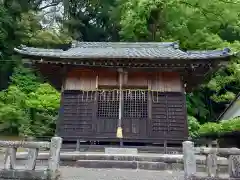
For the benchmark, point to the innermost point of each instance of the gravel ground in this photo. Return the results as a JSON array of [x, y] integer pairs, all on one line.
[[118, 174], [70, 173]]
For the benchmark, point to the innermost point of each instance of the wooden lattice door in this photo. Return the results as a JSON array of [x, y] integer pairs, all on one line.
[[107, 112], [135, 113]]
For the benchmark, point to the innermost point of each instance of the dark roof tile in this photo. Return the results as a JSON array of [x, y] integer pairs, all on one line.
[[148, 50]]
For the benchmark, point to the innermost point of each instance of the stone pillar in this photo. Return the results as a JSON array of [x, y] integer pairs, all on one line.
[[53, 164], [234, 166], [189, 159], [212, 165]]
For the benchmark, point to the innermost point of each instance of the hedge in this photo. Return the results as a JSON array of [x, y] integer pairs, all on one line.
[[218, 129]]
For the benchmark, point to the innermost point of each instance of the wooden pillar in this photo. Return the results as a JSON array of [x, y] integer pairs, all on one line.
[[119, 128], [60, 113]]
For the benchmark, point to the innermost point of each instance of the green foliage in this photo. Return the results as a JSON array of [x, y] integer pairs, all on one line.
[[196, 106], [91, 20], [197, 25], [25, 79], [28, 107], [44, 98], [19, 24], [12, 110], [193, 126], [224, 126], [43, 105], [209, 127]]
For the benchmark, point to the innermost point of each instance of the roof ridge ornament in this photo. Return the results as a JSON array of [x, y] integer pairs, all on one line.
[[22, 46], [175, 45], [226, 50], [74, 44]]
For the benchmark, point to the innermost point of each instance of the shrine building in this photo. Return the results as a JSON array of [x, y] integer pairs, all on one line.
[[122, 91]]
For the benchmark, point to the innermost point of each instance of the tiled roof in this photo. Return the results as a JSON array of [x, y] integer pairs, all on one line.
[[139, 50]]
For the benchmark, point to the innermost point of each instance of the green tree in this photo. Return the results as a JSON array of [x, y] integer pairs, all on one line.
[[13, 111], [43, 104], [91, 20], [20, 24], [197, 25], [28, 106], [25, 79]]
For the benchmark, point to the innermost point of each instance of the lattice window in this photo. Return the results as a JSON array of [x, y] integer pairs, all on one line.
[[108, 104], [135, 104]]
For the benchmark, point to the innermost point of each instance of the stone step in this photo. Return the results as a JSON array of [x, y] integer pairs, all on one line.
[[168, 158], [144, 165], [128, 165], [74, 156], [125, 157], [146, 161], [141, 149]]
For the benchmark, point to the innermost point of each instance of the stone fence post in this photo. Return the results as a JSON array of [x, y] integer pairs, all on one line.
[[189, 159], [54, 158], [10, 170]]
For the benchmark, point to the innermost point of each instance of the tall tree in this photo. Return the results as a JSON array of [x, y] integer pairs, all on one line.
[[20, 24], [197, 25], [90, 20]]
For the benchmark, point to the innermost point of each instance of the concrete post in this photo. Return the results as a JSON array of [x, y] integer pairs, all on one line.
[[212, 165], [189, 159], [32, 158], [234, 166], [53, 164]]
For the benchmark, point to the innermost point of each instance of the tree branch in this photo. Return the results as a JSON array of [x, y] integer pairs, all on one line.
[[203, 10], [229, 2], [49, 5]]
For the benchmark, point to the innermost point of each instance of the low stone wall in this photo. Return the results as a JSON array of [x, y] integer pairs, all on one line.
[[29, 172], [136, 161], [212, 161]]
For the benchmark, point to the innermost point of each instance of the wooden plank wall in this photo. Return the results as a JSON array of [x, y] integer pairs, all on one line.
[[166, 82], [81, 79], [107, 78], [84, 79], [77, 119]]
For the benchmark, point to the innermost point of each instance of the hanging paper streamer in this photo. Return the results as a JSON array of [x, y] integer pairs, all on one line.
[[109, 95], [119, 133]]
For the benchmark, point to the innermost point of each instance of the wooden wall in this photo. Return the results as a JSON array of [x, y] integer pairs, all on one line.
[[85, 79], [166, 82], [80, 79]]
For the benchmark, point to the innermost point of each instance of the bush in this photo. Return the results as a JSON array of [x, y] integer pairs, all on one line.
[[28, 107], [218, 129], [193, 126]]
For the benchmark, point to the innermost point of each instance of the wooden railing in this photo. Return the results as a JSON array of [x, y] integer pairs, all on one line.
[[10, 169], [212, 154]]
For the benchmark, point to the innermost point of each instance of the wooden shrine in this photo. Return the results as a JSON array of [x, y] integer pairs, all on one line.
[[133, 92]]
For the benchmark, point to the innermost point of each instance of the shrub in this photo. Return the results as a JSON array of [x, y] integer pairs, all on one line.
[[225, 126], [193, 126]]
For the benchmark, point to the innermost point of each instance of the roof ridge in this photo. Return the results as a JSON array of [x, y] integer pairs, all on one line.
[[80, 44]]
